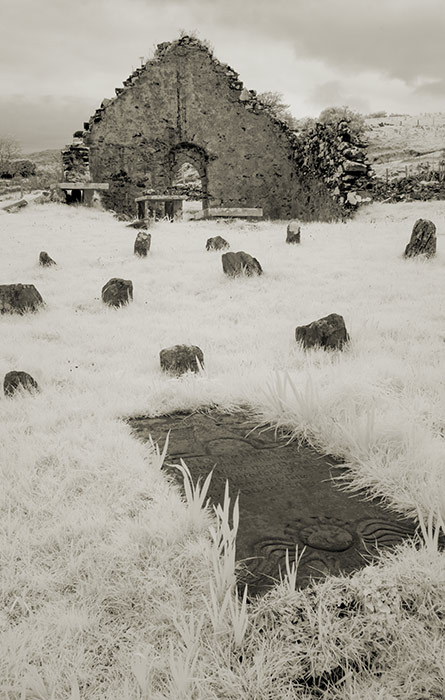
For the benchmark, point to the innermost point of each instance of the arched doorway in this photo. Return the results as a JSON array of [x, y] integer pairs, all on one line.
[[187, 167]]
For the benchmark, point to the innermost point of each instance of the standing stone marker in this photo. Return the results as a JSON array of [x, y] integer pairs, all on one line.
[[217, 243], [16, 380], [19, 298], [328, 332], [293, 233], [423, 239], [241, 263], [45, 260], [142, 244], [180, 359], [117, 292]]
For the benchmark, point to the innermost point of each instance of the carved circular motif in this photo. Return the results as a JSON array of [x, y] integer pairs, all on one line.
[[331, 538]]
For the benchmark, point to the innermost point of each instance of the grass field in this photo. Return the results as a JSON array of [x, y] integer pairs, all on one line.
[[113, 586]]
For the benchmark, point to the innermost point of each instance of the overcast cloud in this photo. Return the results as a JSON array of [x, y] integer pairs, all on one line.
[[60, 58]]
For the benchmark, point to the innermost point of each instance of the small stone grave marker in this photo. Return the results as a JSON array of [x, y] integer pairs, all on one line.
[[217, 243], [117, 292], [142, 244], [328, 332], [293, 233], [19, 298], [241, 263], [45, 260], [423, 240], [16, 380], [179, 359]]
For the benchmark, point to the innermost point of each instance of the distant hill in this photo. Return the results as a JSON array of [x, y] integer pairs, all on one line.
[[45, 160], [403, 142]]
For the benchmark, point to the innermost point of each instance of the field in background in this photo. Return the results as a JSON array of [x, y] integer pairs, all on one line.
[[107, 574], [406, 145]]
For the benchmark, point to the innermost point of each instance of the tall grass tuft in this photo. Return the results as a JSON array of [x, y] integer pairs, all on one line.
[[195, 494], [431, 529]]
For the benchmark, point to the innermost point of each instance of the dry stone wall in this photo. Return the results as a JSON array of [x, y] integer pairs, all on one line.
[[184, 106]]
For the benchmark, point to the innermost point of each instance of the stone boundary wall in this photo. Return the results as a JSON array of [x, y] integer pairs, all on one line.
[[321, 174]]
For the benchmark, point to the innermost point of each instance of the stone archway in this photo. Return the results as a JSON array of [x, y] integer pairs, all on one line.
[[196, 156]]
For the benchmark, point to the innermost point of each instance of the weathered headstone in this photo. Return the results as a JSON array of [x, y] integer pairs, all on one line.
[[288, 496], [328, 332], [142, 244], [16, 380], [217, 243], [293, 233], [179, 359], [45, 260], [117, 292], [241, 263], [19, 298], [423, 239]]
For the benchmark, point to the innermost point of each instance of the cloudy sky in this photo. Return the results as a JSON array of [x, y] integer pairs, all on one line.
[[60, 58]]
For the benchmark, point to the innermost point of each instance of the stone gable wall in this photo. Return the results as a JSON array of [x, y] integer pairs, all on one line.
[[186, 106]]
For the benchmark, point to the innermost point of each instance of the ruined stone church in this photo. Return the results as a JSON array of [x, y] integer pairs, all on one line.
[[184, 106]]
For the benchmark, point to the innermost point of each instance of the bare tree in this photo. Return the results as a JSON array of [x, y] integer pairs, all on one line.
[[9, 152], [274, 102]]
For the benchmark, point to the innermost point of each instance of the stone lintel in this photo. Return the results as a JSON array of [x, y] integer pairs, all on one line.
[[83, 185], [229, 212], [160, 198]]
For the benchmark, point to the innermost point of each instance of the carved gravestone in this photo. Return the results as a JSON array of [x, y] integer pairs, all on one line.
[[423, 239], [180, 359], [45, 260], [117, 292], [288, 496], [19, 298], [293, 233], [142, 244], [241, 263], [217, 243], [328, 332], [15, 380]]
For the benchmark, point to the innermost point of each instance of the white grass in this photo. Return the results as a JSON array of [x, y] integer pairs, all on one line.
[[107, 574]]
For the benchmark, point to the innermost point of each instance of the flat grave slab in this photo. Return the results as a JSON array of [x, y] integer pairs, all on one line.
[[287, 496]]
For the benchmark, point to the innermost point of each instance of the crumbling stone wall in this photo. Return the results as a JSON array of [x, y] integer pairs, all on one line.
[[186, 106], [76, 160]]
